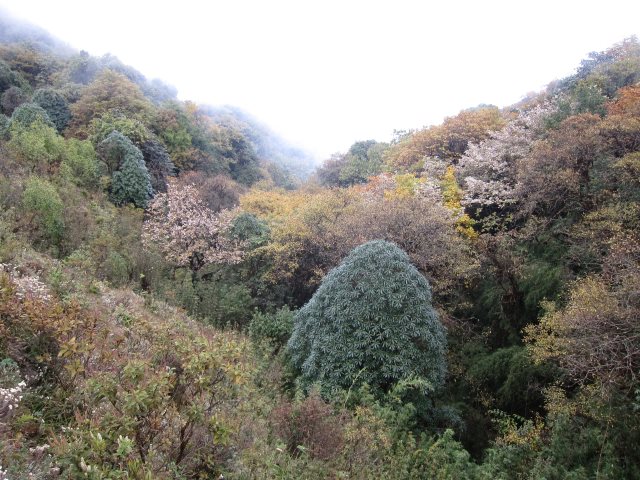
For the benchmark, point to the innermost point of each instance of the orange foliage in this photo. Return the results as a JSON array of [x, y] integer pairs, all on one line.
[[447, 141], [627, 103]]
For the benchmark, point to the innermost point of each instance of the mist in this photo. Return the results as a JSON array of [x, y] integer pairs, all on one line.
[[326, 75]]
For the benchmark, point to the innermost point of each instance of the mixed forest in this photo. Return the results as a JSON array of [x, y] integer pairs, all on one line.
[[184, 295]]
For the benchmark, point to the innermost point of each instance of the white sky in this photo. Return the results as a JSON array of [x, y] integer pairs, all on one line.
[[327, 73]]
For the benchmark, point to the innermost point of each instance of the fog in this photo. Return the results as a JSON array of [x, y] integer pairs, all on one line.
[[326, 74]]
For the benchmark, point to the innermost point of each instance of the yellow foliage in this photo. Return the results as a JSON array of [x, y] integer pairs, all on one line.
[[553, 337], [273, 205], [452, 197], [406, 186], [295, 219], [528, 434]]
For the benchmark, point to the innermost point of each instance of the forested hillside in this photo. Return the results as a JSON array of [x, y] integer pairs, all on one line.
[[182, 296]]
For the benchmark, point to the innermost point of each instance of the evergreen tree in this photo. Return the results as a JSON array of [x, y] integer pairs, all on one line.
[[28, 113], [158, 164], [130, 182], [55, 105], [12, 98], [370, 321]]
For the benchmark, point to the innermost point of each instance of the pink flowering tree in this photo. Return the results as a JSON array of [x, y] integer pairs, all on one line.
[[187, 232]]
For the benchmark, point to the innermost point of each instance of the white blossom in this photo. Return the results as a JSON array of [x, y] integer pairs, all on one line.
[[187, 232], [488, 168]]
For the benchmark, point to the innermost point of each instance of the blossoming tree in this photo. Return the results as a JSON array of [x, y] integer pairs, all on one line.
[[187, 232]]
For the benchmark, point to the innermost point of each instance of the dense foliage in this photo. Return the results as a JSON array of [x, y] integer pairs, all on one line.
[[371, 321], [157, 257]]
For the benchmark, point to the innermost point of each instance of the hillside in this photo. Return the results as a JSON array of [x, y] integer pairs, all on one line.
[[182, 296]]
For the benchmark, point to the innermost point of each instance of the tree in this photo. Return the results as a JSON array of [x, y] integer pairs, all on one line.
[[363, 160], [217, 192], [12, 98], [187, 232], [109, 91], [28, 113], [488, 168], [55, 105], [37, 144], [8, 77], [596, 335], [554, 180], [158, 164], [447, 141], [101, 127], [4, 125], [132, 182], [370, 321], [80, 164], [113, 149], [82, 68]]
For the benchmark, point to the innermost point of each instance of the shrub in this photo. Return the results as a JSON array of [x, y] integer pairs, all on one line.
[[37, 144], [133, 129], [113, 149], [370, 321], [275, 327], [8, 77], [309, 425], [131, 184], [4, 125], [80, 164], [223, 303], [44, 206]]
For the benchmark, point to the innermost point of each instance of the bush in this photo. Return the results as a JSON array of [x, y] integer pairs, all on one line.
[[370, 321], [4, 125], [8, 77], [80, 165], [223, 303], [116, 269], [131, 184], [43, 204], [37, 144], [309, 425], [113, 149], [134, 130], [274, 327]]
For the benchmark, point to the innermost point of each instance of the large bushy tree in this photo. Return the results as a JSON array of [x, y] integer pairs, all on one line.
[[55, 105], [187, 232], [110, 91], [130, 182], [158, 164], [12, 98], [370, 321], [28, 113]]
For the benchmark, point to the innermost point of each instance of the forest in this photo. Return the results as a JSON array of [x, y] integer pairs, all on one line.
[[185, 295]]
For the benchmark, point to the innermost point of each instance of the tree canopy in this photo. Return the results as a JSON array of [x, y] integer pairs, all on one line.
[[371, 320]]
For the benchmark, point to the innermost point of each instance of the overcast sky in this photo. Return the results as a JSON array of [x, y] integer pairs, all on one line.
[[327, 73]]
